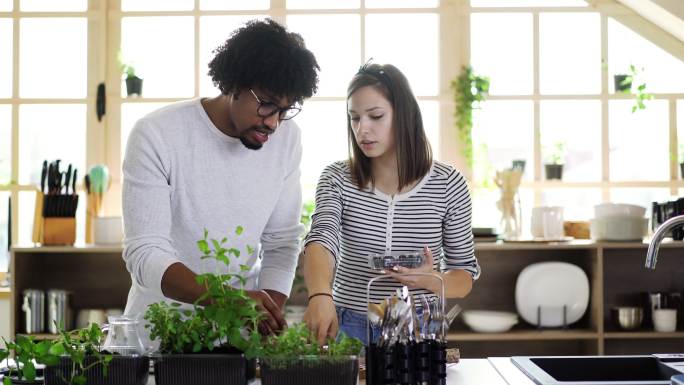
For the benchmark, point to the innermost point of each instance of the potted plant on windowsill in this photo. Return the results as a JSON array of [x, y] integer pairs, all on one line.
[[294, 356], [554, 169], [27, 352], [211, 344], [633, 83], [133, 82]]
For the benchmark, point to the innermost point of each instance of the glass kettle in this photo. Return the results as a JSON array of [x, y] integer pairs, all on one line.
[[122, 336]]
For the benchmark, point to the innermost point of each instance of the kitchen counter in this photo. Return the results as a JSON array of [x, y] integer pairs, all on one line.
[[492, 371]]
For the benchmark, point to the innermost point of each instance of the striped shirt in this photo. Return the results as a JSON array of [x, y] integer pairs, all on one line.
[[353, 223]]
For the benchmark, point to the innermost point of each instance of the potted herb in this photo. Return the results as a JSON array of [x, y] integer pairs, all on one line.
[[26, 352], [470, 90], [554, 169], [82, 361], [294, 356], [625, 83], [211, 344], [133, 82]]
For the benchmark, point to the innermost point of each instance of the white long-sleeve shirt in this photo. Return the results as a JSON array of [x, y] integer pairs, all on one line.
[[182, 175]]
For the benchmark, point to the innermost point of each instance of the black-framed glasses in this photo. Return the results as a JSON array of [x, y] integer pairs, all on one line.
[[267, 109]]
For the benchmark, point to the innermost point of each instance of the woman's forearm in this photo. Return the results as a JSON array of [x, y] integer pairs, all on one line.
[[318, 268], [457, 283]]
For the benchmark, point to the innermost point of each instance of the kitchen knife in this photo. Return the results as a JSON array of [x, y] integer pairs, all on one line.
[[43, 175], [73, 181], [67, 180]]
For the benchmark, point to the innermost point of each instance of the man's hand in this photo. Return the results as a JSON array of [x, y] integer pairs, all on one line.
[[321, 318], [274, 321]]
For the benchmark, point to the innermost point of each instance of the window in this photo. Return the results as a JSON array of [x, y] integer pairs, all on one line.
[[43, 102], [551, 86], [551, 82]]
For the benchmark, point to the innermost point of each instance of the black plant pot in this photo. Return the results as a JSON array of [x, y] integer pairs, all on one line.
[[554, 171], [681, 170], [619, 85], [309, 370], [123, 370], [134, 86], [205, 369]]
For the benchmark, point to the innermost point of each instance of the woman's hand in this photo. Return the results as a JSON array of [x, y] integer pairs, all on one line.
[[418, 281], [321, 318]]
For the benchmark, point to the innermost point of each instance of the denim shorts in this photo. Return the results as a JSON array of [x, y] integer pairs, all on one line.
[[355, 324]]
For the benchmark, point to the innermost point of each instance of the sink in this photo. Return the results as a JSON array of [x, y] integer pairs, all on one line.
[[599, 370]]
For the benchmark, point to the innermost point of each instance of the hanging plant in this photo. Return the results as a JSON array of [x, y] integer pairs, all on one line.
[[469, 90]]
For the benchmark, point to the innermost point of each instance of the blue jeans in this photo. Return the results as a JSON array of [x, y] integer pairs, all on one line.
[[355, 324]]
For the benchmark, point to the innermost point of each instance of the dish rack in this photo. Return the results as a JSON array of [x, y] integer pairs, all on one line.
[[407, 362]]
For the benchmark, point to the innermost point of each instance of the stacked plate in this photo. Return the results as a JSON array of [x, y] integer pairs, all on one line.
[[618, 222]]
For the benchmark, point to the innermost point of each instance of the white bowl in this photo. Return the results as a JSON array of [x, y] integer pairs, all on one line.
[[605, 210], [618, 228], [489, 321]]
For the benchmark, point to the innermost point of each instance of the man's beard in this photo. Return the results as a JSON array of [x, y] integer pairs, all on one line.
[[251, 146]]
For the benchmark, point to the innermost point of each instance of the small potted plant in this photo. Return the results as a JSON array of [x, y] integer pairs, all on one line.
[[626, 83], [210, 344], [26, 352], [470, 89], [623, 83], [82, 361], [554, 169], [295, 354], [133, 82]]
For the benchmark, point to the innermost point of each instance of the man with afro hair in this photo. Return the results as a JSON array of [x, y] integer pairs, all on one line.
[[219, 163]]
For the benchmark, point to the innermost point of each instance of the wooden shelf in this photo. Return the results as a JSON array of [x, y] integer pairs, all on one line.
[[642, 335], [520, 335], [78, 248]]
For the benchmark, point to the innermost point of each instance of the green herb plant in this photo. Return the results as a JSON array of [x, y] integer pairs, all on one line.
[[83, 347], [227, 311], [297, 340], [25, 351], [640, 93], [126, 68], [470, 90], [557, 153]]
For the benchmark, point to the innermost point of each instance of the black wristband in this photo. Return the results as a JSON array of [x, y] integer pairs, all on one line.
[[317, 294]]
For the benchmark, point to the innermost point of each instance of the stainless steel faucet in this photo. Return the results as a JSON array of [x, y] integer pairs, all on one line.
[[652, 253]]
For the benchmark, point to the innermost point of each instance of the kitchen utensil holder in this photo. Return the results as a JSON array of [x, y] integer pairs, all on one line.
[[54, 222], [565, 317], [407, 362], [59, 231]]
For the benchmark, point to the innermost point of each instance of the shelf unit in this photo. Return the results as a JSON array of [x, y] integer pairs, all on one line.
[[95, 275], [617, 277], [98, 279]]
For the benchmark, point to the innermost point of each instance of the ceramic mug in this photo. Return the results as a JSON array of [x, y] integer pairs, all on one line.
[[107, 230], [665, 320], [547, 222]]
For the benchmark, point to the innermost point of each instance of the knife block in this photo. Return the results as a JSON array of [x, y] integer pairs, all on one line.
[[59, 231]]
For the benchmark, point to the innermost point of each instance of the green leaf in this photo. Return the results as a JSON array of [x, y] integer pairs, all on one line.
[[29, 371], [57, 349], [80, 379], [7, 381], [203, 246], [239, 230]]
